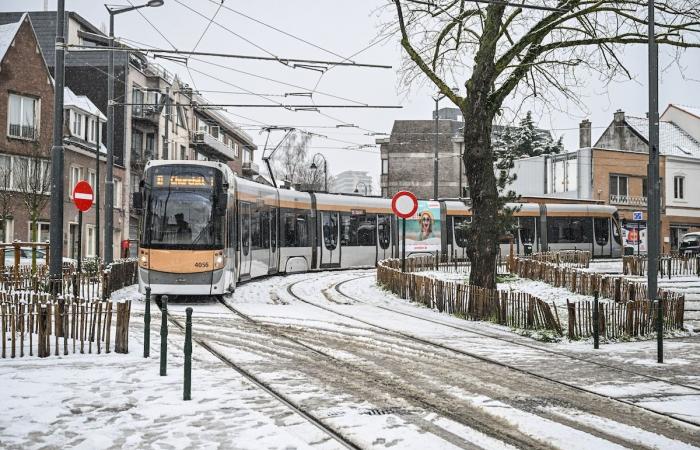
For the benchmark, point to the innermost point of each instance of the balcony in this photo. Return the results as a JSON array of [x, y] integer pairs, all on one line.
[[628, 200], [211, 147], [250, 169], [149, 114]]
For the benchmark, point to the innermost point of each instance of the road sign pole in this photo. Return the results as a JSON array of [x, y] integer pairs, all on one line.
[[403, 246], [80, 242], [639, 236]]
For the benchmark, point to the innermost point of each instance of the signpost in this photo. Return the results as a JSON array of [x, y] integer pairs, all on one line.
[[638, 216], [83, 198], [404, 204]]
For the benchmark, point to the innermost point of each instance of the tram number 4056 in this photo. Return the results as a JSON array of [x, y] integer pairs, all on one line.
[[201, 264]]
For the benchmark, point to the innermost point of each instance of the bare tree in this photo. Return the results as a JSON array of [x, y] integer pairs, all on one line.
[[33, 183], [7, 201], [498, 51], [292, 162]]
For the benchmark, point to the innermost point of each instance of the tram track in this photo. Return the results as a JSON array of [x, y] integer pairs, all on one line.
[[309, 417], [509, 366]]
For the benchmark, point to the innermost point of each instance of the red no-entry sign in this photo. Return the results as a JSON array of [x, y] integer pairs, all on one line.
[[83, 195], [404, 204]]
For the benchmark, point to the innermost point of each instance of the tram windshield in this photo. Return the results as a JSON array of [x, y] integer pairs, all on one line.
[[181, 208]]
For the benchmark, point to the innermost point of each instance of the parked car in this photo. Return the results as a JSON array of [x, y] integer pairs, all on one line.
[[25, 256], [690, 244]]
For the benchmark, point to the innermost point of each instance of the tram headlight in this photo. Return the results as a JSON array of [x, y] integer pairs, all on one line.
[[219, 260], [143, 259]]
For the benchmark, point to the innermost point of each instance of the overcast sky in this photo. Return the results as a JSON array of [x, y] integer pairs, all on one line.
[[340, 28]]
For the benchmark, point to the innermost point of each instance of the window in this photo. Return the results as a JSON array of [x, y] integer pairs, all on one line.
[[569, 230], [296, 233], [118, 193], [358, 230], [76, 174], [23, 117], [92, 178], [385, 166], [7, 231], [136, 145], [384, 230], [5, 173], [137, 100], [183, 152], [92, 136], [77, 124], [618, 185], [679, 187], [330, 230], [91, 241], [245, 228], [43, 229], [247, 156], [235, 149], [528, 230], [180, 116], [150, 145], [461, 229], [601, 226], [134, 185]]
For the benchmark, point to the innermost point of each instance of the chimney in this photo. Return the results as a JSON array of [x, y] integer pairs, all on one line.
[[584, 134], [619, 116]]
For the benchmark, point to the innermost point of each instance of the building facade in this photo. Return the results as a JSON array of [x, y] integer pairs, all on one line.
[[351, 182]]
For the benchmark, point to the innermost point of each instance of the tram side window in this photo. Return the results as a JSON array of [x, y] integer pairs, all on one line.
[[602, 230], [302, 231], [569, 230], [330, 231], [245, 227], [255, 241], [461, 229], [384, 230], [273, 229], [289, 230], [265, 228], [616, 229], [358, 230], [296, 230], [527, 229]]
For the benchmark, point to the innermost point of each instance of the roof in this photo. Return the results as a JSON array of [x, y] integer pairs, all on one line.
[[689, 109], [81, 102], [7, 35], [672, 139]]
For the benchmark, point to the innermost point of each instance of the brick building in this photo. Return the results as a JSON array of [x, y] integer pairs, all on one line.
[[26, 106]]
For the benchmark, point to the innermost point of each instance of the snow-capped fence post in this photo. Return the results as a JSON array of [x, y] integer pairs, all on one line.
[[121, 337], [147, 325], [187, 394], [596, 322], [164, 336]]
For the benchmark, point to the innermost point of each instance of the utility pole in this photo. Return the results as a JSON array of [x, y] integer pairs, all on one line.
[[653, 185], [435, 158], [97, 187], [166, 144], [109, 179], [56, 230]]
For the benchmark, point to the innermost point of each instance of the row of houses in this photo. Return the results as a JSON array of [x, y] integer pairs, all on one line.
[[610, 170], [157, 116]]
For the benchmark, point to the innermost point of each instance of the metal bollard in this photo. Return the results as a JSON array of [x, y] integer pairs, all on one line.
[[164, 336], [596, 322], [147, 325], [187, 394]]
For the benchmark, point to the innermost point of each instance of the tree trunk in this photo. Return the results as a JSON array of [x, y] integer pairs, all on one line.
[[482, 245], [34, 225]]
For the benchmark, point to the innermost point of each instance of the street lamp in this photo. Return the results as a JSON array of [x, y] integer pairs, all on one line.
[[109, 181], [325, 171], [358, 184], [437, 99]]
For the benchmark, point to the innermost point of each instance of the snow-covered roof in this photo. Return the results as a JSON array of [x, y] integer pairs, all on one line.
[[689, 109], [7, 35], [672, 139], [81, 102]]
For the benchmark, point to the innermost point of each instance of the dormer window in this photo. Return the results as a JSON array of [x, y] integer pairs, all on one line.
[[77, 124]]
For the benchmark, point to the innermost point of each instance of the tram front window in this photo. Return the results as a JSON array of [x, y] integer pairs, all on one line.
[[182, 216]]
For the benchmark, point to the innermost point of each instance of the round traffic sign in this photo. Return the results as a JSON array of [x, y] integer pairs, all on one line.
[[82, 195], [404, 204]]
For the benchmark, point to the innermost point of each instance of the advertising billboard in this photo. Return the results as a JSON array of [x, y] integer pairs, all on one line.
[[423, 228], [635, 235]]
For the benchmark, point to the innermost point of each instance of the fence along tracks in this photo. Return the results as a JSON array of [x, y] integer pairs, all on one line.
[[346, 443], [508, 366]]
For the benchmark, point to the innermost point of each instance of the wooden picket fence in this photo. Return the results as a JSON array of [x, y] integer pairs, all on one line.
[[629, 319], [32, 320], [511, 308], [566, 258], [669, 265], [434, 263]]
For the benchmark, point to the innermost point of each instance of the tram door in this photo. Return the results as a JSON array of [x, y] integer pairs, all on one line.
[[330, 239], [383, 237], [246, 251], [274, 224]]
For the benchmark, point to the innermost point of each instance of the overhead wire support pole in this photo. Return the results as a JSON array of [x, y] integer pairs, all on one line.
[[286, 61], [653, 187], [56, 229]]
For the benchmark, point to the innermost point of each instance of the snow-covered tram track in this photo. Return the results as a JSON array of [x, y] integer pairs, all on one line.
[[685, 427], [267, 388]]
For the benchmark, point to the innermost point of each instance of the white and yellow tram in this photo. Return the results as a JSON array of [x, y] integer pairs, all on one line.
[[203, 229]]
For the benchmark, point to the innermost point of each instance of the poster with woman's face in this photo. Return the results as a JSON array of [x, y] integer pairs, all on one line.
[[423, 229]]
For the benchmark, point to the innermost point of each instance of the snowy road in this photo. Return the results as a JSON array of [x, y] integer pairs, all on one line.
[[381, 372]]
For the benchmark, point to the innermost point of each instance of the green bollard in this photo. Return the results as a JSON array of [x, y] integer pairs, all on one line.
[[187, 395], [596, 323], [164, 336], [147, 325]]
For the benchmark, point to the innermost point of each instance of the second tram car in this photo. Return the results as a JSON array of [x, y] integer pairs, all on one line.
[[203, 229]]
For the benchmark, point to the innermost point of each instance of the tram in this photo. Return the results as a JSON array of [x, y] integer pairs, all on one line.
[[203, 229]]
